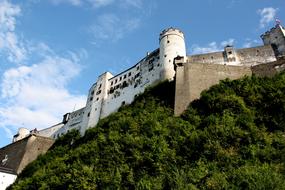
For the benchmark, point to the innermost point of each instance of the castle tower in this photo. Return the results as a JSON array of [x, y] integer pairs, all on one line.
[[276, 38], [95, 102], [172, 44]]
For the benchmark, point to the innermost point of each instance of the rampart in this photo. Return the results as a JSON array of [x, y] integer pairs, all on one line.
[[192, 79], [18, 155]]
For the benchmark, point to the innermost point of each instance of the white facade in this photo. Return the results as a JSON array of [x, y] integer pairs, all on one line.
[[172, 44], [22, 133], [110, 92], [6, 179]]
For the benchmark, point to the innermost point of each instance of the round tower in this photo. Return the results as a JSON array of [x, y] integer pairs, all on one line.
[[172, 44]]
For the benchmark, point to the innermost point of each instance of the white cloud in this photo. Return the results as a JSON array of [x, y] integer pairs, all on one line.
[[267, 15], [36, 96], [111, 27], [9, 41], [211, 47], [100, 3], [72, 2], [250, 43]]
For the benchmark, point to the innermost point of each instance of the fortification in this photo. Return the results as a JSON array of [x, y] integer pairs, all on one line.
[[193, 74]]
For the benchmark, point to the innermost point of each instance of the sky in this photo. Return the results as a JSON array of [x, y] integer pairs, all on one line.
[[52, 51]]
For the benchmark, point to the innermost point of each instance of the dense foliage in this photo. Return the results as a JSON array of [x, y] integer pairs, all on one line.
[[230, 138]]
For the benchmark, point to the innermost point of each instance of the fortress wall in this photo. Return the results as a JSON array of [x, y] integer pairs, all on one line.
[[15, 153], [192, 79], [24, 151], [269, 69], [137, 79], [216, 57], [261, 54], [36, 146], [51, 131]]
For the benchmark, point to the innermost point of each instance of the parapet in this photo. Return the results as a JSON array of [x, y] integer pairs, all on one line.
[[171, 31]]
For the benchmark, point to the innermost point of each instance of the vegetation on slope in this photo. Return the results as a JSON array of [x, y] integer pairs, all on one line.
[[230, 138]]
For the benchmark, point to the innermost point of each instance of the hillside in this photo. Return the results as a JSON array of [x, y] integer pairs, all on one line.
[[230, 138]]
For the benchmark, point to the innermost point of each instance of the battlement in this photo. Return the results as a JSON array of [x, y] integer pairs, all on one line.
[[171, 31]]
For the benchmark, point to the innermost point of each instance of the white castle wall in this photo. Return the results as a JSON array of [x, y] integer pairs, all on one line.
[[52, 131], [6, 179], [172, 44]]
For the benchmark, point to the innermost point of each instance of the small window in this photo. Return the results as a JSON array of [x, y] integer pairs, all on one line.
[[116, 81], [120, 78], [138, 67], [100, 86], [165, 55], [88, 115], [97, 99], [169, 60], [168, 41], [92, 92], [123, 103], [99, 92], [130, 73], [125, 76], [91, 98], [230, 52], [112, 82]]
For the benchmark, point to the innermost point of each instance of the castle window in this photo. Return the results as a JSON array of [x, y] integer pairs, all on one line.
[[125, 76], [165, 55], [116, 81], [112, 83], [123, 103], [92, 92], [130, 73], [100, 86], [99, 92], [120, 78], [91, 98], [169, 60], [230, 52], [168, 41], [97, 99], [88, 115], [138, 67]]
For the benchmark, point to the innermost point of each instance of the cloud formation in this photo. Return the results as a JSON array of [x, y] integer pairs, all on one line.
[[37, 95], [211, 47], [9, 41], [100, 3], [267, 15], [111, 27]]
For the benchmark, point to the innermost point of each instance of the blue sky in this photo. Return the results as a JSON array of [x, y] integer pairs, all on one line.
[[52, 51]]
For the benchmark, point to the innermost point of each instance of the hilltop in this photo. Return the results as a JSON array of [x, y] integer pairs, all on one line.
[[230, 138]]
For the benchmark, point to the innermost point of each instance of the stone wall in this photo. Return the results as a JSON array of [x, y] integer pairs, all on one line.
[[192, 79], [22, 152]]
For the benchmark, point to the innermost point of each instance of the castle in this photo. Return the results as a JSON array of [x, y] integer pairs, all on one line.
[[110, 92], [192, 75]]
